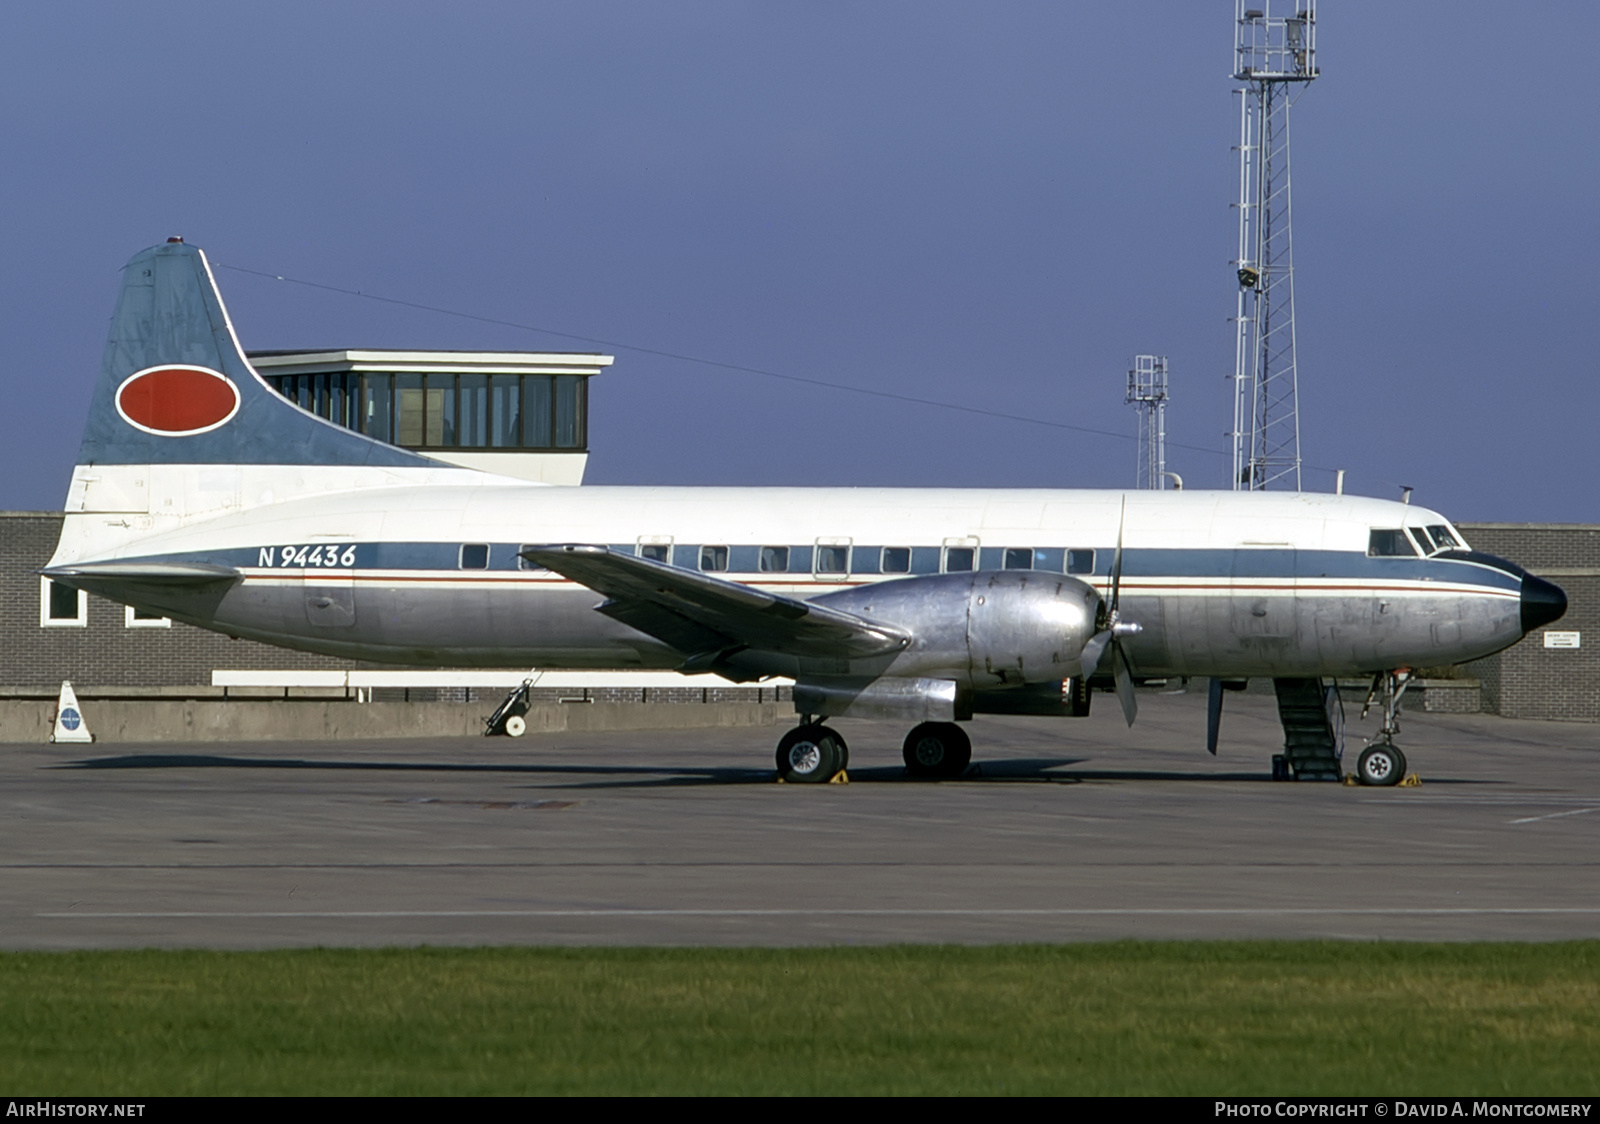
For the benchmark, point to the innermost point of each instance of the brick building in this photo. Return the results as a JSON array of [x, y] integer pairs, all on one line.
[[1555, 672], [91, 640]]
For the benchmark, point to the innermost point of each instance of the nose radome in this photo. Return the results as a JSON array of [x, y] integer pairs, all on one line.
[[1542, 602]]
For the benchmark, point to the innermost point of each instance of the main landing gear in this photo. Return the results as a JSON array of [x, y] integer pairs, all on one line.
[[812, 753], [1382, 763], [937, 749]]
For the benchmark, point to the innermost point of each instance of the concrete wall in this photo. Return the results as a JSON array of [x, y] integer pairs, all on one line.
[[121, 721]]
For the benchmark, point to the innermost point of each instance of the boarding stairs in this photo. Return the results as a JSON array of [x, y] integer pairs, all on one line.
[[1313, 728]]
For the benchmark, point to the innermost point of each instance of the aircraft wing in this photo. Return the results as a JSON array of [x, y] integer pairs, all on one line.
[[703, 616]]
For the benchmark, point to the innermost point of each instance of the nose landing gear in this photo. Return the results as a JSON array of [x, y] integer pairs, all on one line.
[[1382, 763]]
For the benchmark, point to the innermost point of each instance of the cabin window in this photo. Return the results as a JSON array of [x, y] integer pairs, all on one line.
[[655, 551], [475, 556], [896, 560], [1387, 542], [833, 559], [529, 564], [1080, 561], [61, 606], [714, 559], [774, 560], [1018, 558], [139, 618], [958, 559]]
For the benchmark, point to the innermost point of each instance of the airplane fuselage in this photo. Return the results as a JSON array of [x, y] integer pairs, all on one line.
[[1222, 584]]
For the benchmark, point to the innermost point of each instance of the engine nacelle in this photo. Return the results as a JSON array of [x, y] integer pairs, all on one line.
[[986, 629]]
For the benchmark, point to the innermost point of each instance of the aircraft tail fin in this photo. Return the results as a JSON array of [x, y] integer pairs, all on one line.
[[175, 387]]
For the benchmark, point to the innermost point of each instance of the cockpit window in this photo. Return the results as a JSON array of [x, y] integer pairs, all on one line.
[[1387, 542], [1422, 540], [1443, 539]]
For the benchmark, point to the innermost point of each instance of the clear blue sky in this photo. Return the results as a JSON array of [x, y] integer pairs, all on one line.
[[992, 204]]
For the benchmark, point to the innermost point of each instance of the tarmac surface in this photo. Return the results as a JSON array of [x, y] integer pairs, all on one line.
[[1067, 830]]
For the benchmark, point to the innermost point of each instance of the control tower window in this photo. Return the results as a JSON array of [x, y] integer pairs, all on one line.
[[442, 410], [376, 412], [569, 411], [505, 411]]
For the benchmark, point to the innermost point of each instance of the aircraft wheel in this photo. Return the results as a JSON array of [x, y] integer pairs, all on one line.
[[811, 755], [937, 749], [1380, 764], [516, 726]]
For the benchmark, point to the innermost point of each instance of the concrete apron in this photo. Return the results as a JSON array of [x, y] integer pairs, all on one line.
[[120, 721]]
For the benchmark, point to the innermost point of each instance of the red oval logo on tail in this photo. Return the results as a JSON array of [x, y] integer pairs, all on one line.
[[177, 400]]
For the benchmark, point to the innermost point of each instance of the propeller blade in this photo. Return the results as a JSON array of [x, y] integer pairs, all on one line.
[[1116, 559], [1213, 715], [1124, 678], [1092, 651]]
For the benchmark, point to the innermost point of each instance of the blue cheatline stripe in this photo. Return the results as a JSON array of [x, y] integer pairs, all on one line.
[[1145, 564]]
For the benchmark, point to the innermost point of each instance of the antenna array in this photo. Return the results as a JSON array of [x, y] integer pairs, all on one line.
[[1273, 55], [1147, 393]]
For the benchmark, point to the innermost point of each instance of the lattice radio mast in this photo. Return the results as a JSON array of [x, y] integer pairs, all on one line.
[[1147, 393], [1275, 56]]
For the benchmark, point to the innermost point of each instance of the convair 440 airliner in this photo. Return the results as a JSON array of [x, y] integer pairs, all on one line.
[[204, 495]]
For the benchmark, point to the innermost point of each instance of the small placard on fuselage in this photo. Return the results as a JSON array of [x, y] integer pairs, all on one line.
[[1562, 639]]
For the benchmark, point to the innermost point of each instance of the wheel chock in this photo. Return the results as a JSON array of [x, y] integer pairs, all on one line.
[[1410, 780], [841, 777], [1349, 780]]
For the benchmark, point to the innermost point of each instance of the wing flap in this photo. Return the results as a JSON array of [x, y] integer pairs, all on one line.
[[696, 613]]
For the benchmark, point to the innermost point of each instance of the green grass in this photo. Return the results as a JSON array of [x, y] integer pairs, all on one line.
[[1171, 1018]]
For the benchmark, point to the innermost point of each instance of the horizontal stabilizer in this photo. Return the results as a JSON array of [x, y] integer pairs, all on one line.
[[695, 612], [145, 573]]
